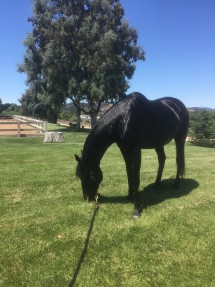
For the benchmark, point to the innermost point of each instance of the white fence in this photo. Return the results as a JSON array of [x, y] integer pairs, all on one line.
[[19, 126], [36, 124]]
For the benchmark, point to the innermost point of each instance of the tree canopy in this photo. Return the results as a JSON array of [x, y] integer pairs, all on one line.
[[83, 50], [1, 106]]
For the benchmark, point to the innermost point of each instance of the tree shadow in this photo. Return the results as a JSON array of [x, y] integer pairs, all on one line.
[[151, 196], [71, 130]]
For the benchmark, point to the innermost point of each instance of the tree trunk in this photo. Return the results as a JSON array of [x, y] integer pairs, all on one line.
[[93, 119], [78, 118], [54, 137], [52, 115]]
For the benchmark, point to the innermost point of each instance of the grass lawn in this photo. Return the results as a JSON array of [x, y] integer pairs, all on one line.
[[44, 220]]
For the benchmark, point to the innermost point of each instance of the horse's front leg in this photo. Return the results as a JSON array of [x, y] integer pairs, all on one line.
[[136, 164], [127, 155], [132, 159]]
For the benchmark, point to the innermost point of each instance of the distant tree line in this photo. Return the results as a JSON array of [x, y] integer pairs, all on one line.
[[9, 109], [202, 128], [81, 50]]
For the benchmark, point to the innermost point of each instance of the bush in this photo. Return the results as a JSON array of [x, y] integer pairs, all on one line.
[[202, 126], [203, 142], [64, 115]]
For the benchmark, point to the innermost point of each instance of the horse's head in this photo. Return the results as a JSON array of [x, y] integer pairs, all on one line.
[[90, 176]]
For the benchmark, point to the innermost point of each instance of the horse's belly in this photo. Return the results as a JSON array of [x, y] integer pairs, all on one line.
[[146, 142], [157, 139], [151, 134], [153, 143]]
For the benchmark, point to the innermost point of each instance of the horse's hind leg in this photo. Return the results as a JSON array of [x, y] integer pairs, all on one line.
[[161, 160], [180, 161]]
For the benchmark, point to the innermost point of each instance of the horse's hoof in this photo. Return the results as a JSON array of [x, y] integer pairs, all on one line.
[[136, 213]]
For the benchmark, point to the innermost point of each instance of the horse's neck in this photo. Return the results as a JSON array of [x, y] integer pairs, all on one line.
[[96, 144]]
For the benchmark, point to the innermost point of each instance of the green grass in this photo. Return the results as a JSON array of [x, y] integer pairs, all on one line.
[[44, 220]]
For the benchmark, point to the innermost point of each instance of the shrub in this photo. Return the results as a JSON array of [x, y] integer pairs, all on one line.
[[202, 128], [203, 142]]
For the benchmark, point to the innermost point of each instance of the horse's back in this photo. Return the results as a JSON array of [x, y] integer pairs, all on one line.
[[149, 124], [137, 121]]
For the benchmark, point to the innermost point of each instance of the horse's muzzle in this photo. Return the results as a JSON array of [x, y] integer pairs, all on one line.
[[88, 198]]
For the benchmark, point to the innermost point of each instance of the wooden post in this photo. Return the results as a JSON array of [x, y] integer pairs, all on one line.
[[45, 127], [18, 129]]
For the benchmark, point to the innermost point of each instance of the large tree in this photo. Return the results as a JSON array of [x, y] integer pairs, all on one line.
[[83, 50], [1, 106], [40, 87], [32, 106]]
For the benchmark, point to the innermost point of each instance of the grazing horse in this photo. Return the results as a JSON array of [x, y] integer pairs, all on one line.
[[134, 123]]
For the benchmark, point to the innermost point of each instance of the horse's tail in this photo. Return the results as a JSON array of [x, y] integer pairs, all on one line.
[[180, 142]]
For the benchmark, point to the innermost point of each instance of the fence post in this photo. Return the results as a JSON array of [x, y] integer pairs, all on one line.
[[18, 129], [45, 127]]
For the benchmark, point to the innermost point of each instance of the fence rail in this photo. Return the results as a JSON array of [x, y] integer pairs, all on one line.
[[4, 117], [21, 124], [37, 124]]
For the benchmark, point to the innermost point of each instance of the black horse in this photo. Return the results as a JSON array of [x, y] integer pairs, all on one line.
[[134, 123]]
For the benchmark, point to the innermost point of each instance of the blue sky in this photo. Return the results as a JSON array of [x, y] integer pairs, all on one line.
[[178, 38]]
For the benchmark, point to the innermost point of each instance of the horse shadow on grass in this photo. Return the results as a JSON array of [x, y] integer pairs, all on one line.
[[150, 195]]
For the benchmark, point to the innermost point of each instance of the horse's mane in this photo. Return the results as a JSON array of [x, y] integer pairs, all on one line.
[[118, 109], [110, 114]]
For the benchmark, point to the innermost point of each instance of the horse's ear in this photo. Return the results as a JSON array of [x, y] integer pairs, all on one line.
[[77, 158]]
